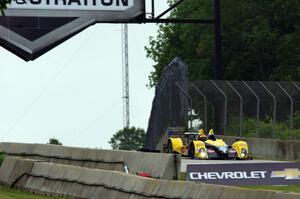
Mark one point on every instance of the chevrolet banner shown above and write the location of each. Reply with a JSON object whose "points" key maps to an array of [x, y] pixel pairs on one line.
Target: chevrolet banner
{"points": [[245, 174]]}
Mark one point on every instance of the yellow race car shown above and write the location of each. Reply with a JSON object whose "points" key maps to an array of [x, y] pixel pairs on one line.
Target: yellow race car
{"points": [[200, 146]]}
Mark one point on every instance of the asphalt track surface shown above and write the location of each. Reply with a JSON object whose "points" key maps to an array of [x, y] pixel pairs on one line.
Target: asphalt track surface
{"points": [[186, 161]]}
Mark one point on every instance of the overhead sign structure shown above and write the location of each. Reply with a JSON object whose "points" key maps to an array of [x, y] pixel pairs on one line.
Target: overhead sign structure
{"points": [[101, 10], [32, 27], [245, 174], [100, 5]]}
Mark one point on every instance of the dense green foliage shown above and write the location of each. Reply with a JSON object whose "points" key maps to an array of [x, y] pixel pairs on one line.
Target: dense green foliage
{"points": [[128, 139], [282, 130], [265, 126], [260, 40], [54, 141]]}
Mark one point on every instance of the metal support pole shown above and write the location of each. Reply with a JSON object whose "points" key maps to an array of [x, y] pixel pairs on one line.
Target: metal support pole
{"points": [[179, 21], [190, 101], [152, 9], [274, 108], [159, 19], [257, 107], [225, 107], [125, 76], [296, 86], [241, 105], [218, 70], [205, 104], [169, 9], [291, 107]]}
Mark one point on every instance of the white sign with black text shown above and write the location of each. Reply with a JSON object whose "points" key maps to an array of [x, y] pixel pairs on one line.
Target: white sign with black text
{"points": [[99, 5]]}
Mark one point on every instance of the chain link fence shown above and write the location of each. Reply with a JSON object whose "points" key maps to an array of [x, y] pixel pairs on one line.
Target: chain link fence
{"points": [[246, 108], [238, 108]]}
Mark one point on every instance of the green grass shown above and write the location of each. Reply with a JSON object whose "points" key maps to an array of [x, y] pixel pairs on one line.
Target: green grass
{"points": [[182, 176], [288, 188], [9, 193]]}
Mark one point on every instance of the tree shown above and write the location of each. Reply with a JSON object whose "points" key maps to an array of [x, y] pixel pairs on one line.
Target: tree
{"points": [[128, 139], [54, 141], [260, 40], [3, 5]]}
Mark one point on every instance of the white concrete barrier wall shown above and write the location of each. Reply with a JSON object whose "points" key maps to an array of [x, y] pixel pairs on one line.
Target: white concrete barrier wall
{"points": [[270, 148], [79, 182], [13, 168], [163, 166]]}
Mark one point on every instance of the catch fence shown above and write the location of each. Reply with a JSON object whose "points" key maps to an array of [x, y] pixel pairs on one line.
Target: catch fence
{"points": [[239, 108], [245, 108]]}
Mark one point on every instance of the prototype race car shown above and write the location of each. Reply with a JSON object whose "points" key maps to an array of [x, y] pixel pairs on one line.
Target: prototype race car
{"points": [[200, 146]]}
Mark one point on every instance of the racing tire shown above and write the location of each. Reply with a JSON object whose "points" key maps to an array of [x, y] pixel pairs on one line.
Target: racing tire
{"points": [[169, 147]]}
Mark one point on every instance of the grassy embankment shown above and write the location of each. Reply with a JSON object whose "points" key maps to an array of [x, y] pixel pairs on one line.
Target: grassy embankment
{"points": [[9, 193], [289, 188]]}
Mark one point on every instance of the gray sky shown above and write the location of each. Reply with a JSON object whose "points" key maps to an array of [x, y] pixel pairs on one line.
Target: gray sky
{"points": [[74, 92]]}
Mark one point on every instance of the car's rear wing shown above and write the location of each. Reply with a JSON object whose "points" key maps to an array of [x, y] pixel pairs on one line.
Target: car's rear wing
{"points": [[179, 133], [191, 133]]}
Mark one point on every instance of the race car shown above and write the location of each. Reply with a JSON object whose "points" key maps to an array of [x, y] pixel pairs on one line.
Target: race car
{"points": [[200, 146]]}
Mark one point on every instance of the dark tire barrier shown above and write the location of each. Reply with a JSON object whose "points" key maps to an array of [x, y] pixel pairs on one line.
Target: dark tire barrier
{"points": [[79, 182], [170, 105]]}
